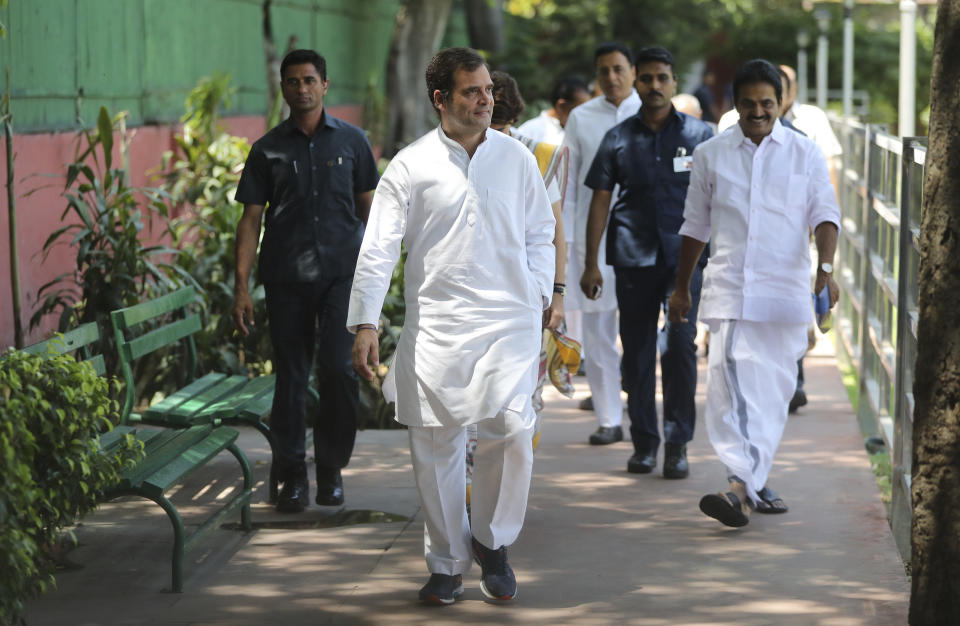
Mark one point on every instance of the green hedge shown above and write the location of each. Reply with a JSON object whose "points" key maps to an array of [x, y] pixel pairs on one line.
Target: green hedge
{"points": [[51, 410]]}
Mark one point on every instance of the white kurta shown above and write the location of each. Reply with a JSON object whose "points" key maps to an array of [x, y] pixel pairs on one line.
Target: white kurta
{"points": [[585, 128], [478, 233], [756, 206], [544, 127]]}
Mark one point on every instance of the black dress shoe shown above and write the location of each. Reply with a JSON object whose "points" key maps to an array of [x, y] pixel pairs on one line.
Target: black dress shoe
{"points": [[606, 435], [675, 461], [586, 404], [295, 496], [329, 487], [798, 400], [642, 463]]}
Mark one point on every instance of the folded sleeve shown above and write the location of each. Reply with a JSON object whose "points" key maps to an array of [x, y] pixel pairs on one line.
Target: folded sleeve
{"points": [[696, 208], [822, 200]]}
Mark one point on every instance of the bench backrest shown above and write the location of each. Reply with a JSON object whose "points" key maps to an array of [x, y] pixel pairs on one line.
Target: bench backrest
{"points": [[79, 340], [135, 341]]}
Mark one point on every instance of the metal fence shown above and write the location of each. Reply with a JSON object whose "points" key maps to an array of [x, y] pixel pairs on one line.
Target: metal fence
{"points": [[881, 191]]}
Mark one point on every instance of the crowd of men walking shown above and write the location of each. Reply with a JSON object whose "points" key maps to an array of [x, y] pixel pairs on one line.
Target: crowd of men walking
{"points": [[647, 212]]}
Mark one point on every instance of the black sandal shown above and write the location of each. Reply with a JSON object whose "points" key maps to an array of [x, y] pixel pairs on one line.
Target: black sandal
{"points": [[770, 503], [725, 508]]}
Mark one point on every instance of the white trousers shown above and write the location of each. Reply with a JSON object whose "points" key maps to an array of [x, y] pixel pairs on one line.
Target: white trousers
{"points": [[503, 465], [751, 376], [603, 368], [572, 314]]}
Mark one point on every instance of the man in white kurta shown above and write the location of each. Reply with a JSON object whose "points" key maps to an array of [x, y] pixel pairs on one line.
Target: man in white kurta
{"points": [[755, 191], [585, 128], [471, 209]]}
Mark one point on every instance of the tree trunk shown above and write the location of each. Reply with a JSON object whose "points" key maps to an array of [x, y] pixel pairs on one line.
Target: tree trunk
{"points": [[485, 25], [935, 596], [419, 28]]}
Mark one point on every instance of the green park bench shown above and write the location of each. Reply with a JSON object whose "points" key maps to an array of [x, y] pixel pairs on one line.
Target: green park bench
{"points": [[213, 397], [170, 455]]}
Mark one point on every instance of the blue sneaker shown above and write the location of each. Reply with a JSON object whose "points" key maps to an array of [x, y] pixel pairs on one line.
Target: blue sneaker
{"points": [[497, 581], [442, 589]]}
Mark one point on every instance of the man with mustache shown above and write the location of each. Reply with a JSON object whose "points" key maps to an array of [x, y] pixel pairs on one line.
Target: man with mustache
{"points": [[470, 207], [648, 156], [313, 175], [585, 128], [755, 192]]}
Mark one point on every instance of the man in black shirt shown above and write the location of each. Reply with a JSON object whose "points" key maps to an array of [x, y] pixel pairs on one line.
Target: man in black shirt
{"points": [[314, 177], [648, 156]]}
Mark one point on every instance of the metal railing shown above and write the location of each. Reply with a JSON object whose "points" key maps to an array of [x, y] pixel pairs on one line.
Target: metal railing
{"points": [[881, 191]]}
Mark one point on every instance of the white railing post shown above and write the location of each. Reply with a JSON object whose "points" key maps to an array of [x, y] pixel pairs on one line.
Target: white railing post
{"points": [[908, 68], [823, 22], [848, 57]]}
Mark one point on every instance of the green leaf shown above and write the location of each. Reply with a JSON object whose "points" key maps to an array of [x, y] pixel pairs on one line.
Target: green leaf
{"points": [[105, 128]]}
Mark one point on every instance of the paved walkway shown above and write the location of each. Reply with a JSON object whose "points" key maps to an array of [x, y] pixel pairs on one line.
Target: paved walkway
{"points": [[600, 546]]}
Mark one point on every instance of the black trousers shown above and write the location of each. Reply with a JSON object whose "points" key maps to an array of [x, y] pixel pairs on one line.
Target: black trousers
{"points": [[302, 316], [641, 294]]}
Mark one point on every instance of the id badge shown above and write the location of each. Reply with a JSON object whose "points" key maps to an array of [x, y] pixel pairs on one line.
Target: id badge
{"points": [[683, 163]]}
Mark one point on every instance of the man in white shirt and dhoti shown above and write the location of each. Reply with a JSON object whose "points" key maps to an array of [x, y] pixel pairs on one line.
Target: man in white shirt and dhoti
{"points": [[471, 209], [755, 191]]}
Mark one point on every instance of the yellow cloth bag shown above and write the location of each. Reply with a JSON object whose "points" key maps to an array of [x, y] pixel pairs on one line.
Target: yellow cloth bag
{"points": [[563, 357]]}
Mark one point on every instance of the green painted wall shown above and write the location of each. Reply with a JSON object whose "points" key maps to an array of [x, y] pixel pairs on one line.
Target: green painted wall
{"points": [[69, 57]]}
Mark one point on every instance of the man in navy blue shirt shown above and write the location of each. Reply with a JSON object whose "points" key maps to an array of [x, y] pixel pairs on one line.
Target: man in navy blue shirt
{"points": [[649, 156], [314, 177]]}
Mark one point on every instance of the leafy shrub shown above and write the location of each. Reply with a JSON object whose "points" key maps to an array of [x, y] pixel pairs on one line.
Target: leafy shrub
{"points": [[52, 408], [201, 176], [114, 268]]}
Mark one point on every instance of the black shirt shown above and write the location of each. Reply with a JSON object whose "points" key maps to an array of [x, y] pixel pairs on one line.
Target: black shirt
{"points": [[648, 210], [308, 186]]}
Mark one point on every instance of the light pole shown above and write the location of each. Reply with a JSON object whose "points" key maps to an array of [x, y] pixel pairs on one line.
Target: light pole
{"points": [[908, 68], [848, 57], [803, 40], [823, 22]]}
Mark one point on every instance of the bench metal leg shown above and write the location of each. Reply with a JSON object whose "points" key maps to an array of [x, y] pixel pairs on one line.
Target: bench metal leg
{"points": [[178, 541], [245, 522], [274, 478]]}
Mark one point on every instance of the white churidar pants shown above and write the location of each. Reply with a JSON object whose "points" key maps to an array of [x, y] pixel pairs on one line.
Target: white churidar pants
{"points": [[751, 376], [503, 465], [572, 314], [603, 368]]}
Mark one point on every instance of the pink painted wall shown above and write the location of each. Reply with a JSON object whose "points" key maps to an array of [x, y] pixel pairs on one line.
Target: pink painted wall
{"points": [[40, 162]]}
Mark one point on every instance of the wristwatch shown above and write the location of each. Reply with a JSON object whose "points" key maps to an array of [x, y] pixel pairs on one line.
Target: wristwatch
{"points": [[560, 288], [826, 268]]}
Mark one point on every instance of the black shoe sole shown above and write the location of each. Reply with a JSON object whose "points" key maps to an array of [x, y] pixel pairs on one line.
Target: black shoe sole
{"points": [[329, 501], [290, 506], [435, 600], [493, 598], [639, 469], [596, 441]]}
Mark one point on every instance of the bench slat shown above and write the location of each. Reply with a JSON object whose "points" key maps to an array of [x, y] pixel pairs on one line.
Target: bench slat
{"points": [[133, 315], [193, 409], [160, 337], [111, 439], [194, 457], [239, 403], [160, 411], [163, 448]]}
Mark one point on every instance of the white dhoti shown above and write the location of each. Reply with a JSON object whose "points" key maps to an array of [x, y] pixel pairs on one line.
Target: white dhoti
{"points": [[751, 376], [503, 465]]}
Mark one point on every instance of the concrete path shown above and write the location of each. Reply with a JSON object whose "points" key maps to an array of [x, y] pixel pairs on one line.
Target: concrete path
{"points": [[600, 546]]}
